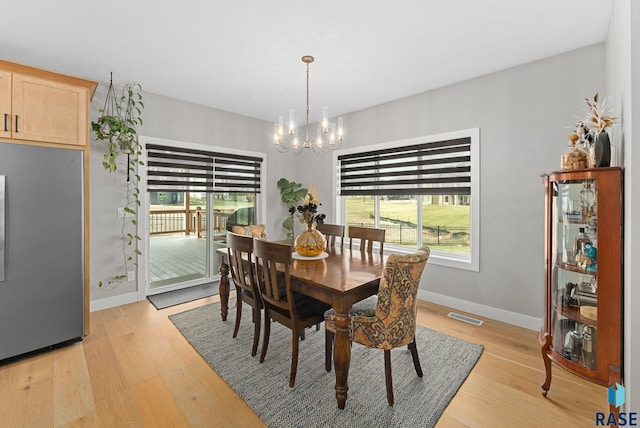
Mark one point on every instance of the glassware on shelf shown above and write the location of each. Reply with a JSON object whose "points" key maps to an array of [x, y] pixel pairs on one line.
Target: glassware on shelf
{"points": [[579, 246], [588, 198], [589, 346]]}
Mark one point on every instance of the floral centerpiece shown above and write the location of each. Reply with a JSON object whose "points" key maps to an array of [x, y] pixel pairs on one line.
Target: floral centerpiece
{"points": [[592, 132], [310, 242]]}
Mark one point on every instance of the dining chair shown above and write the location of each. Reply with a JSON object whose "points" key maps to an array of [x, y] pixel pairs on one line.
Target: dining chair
{"points": [[240, 249], [393, 322], [332, 232], [367, 236], [293, 310]]}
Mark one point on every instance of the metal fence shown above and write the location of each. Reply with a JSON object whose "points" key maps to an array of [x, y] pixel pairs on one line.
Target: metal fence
{"points": [[406, 234]]}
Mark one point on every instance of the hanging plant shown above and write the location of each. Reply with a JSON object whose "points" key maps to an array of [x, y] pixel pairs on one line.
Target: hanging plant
{"points": [[116, 127]]}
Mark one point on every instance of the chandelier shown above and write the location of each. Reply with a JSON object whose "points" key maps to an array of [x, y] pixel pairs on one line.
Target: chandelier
{"points": [[328, 136]]}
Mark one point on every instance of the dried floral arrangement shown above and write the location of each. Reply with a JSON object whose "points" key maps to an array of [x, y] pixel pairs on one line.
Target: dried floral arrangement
{"points": [[596, 121], [307, 212]]}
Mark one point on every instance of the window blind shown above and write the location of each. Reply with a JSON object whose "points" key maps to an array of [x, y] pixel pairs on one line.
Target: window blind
{"points": [[176, 169], [433, 168]]}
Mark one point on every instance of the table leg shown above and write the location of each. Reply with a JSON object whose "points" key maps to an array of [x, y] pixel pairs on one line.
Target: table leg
{"points": [[224, 290], [342, 356]]}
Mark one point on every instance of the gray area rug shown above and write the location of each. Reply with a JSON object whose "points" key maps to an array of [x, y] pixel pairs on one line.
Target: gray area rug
{"points": [[177, 297], [446, 362]]}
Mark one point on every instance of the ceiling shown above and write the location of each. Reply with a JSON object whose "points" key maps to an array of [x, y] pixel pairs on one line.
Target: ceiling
{"points": [[245, 56]]}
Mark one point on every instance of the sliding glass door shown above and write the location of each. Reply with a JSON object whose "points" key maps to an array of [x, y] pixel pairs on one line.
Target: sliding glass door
{"points": [[195, 194]]}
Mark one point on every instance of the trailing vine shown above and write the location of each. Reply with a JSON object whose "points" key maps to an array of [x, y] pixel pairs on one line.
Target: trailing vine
{"points": [[116, 126]]}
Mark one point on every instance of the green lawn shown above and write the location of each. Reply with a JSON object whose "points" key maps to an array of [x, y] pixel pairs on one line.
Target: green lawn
{"points": [[361, 209]]}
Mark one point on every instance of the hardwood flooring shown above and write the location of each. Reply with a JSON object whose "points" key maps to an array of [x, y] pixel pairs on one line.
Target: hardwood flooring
{"points": [[135, 369]]}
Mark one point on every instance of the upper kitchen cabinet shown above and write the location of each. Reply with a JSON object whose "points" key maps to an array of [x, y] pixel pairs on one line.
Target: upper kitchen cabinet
{"points": [[42, 106]]}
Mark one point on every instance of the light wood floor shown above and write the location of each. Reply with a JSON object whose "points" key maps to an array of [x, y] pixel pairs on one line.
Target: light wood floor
{"points": [[135, 369]]}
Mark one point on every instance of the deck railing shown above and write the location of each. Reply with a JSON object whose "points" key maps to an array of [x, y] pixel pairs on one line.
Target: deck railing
{"points": [[186, 221]]}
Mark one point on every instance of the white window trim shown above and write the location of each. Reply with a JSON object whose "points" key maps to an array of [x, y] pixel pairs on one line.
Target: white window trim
{"points": [[472, 262]]}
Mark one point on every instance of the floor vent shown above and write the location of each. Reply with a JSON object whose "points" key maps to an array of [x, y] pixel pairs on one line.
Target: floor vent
{"points": [[465, 318]]}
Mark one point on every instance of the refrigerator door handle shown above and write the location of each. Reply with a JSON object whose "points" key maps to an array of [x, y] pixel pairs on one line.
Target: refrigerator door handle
{"points": [[2, 234]]}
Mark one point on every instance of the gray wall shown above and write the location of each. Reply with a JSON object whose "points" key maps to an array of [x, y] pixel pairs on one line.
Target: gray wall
{"points": [[623, 82], [525, 115]]}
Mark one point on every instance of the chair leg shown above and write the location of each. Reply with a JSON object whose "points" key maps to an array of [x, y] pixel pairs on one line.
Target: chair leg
{"points": [[238, 317], [294, 358], [265, 336], [328, 349], [414, 354], [387, 376], [256, 331]]}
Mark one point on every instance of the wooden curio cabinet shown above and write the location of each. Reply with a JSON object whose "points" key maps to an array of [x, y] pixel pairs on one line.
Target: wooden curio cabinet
{"points": [[582, 330]]}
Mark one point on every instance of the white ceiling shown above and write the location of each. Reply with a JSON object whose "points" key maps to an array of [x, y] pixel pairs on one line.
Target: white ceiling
{"points": [[245, 56]]}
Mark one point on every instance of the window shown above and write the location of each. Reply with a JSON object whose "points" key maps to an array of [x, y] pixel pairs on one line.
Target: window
{"points": [[422, 191]]}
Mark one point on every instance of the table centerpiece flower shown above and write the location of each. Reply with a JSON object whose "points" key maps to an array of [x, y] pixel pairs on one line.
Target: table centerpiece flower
{"points": [[310, 242]]}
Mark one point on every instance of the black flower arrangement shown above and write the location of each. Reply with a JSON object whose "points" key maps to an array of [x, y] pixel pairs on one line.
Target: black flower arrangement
{"points": [[307, 213]]}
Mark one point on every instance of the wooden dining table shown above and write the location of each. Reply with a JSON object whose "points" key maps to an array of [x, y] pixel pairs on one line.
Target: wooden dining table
{"points": [[341, 279]]}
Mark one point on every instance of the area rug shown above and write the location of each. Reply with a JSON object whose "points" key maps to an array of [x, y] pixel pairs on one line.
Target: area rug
{"points": [[184, 295], [446, 362]]}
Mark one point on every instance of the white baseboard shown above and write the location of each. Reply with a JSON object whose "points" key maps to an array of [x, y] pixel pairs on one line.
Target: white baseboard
{"points": [[110, 302], [497, 314]]}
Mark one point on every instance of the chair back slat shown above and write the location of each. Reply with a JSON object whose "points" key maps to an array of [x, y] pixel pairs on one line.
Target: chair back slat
{"points": [[268, 256], [367, 236], [240, 249], [332, 232]]}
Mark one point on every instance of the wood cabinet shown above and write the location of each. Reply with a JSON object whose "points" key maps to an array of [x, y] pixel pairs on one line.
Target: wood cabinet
{"points": [[582, 330], [41, 106]]}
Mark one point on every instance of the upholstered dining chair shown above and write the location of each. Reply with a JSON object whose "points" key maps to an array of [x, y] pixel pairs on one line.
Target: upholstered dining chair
{"points": [[240, 249], [392, 321], [293, 310], [332, 232], [367, 236]]}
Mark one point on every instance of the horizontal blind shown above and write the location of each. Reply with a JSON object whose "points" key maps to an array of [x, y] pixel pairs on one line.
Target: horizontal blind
{"points": [[434, 168], [176, 169]]}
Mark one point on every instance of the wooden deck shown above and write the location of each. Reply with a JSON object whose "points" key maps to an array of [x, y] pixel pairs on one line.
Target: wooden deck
{"points": [[178, 258]]}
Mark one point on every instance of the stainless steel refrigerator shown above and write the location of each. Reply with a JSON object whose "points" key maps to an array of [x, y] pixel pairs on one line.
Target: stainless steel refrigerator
{"points": [[41, 247]]}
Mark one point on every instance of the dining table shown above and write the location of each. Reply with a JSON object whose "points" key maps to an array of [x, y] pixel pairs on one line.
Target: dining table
{"points": [[340, 277]]}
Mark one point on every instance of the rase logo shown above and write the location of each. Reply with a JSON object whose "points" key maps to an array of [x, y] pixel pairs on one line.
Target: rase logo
{"points": [[616, 398]]}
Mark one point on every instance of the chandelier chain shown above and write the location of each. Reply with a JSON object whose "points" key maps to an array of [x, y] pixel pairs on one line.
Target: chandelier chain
{"points": [[307, 101]]}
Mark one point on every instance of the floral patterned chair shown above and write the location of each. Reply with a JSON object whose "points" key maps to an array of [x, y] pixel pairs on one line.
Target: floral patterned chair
{"points": [[392, 323]]}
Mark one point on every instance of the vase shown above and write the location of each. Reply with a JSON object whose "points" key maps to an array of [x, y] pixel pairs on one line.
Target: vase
{"points": [[310, 242], [602, 150]]}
